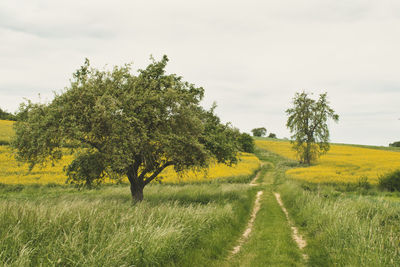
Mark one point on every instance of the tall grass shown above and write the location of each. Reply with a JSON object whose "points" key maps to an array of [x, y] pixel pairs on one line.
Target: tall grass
{"points": [[59, 226], [356, 231], [342, 228]]}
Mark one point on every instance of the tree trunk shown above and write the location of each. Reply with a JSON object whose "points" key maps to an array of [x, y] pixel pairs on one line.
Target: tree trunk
{"points": [[137, 185], [137, 192], [308, 154]]}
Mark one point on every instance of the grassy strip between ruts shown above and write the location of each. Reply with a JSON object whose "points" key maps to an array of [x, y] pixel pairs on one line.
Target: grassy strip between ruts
{"points": [[270, 242], [342, 228], [175, 225]]}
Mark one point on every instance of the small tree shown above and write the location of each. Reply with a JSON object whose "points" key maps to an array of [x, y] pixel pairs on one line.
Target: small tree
{"points": [[124, 124], [259, 131], [246, 143], [272, 135], [395, 144], [307, 122]]}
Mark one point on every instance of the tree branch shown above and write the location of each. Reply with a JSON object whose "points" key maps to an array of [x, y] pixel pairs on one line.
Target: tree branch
{"points": [[93, 144], [158, 171]]}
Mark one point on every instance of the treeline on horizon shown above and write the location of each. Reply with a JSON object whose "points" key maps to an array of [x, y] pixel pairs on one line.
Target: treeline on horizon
{"points": [[4, 115]]}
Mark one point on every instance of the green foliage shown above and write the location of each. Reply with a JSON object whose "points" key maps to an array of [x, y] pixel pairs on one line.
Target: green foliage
{"points": [[87, 168], [137, 124], [395, 144], [4, 115], [307, 121], [272, 135], [246, 143], [390, 181], [259, 132], [4, 143]]}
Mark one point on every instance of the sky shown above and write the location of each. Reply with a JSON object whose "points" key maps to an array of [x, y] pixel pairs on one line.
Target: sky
{"points": [[251, 57]]}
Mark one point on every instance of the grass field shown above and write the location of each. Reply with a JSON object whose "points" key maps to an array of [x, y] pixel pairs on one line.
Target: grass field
{"points": [[343, 163], [176, 225], [343, 228]]}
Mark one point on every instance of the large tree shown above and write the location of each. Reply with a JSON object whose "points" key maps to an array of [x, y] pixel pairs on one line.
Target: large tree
{"points": [[307, 122], [124, 124]]}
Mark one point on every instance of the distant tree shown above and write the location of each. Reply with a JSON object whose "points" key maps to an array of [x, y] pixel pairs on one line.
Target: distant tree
{"points": [[307, 122], [272, 135], [395, 144], [259, 131], [4, 115], [125, 124], [246, 143]]}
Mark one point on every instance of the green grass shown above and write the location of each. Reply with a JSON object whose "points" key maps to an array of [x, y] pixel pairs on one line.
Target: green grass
{"points": [[174, 225], [271, 243], [343, 226]]}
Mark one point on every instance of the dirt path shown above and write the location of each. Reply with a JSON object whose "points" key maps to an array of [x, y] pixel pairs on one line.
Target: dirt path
{"points": [[301, 243], [250, 224], [267, 239], [254, 181]]}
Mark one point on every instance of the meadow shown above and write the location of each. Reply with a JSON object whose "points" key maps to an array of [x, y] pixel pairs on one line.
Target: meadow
{"points": [[176, 225], [343, 225], [342, 164]]}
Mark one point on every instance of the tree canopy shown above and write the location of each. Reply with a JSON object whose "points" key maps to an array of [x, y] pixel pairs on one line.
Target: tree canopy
{"points": [[259, 131], [246, 143], [307, 121], [125, 124]]}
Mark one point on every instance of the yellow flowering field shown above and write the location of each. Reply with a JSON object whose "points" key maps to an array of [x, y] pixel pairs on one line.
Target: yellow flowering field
{"points": [[247, 165], [6, 130], [341, 164], [13, 172]]}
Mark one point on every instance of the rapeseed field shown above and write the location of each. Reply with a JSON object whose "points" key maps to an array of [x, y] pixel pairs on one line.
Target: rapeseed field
{"points": [[6, 130], [344, 164], [13, 172]]}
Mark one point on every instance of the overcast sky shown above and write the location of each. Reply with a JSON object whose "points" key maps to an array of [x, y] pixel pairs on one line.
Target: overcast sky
{"points": [[250, 56]]}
